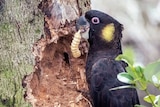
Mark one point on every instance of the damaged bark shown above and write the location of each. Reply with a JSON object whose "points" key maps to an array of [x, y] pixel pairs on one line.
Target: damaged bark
{"points": [[58, 79]]}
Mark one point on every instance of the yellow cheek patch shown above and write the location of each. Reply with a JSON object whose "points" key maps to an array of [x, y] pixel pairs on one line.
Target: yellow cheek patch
{"points": [[108, 32]]}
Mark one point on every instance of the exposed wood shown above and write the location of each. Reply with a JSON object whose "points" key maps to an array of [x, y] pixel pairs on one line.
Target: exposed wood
{"points": [[58, 79]]}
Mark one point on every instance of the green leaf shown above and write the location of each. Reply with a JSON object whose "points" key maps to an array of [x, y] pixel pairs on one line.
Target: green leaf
{"points": [[126, 78], [127, 56], [152, 69], [155, 80], [139, 72], [158, 75], [129, 52], [139, 69], [159, 103], [125, 59], [122, 87], [157, 100], [150, 98], [129, 70], [139, 105], [141, 84]]}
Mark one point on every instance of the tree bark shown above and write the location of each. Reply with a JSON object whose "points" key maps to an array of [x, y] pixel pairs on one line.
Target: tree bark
{"points": [[21, 23], [58, 79]]}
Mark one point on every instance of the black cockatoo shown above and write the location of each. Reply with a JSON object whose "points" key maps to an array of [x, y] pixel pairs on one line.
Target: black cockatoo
{"points": [[105, 35]]}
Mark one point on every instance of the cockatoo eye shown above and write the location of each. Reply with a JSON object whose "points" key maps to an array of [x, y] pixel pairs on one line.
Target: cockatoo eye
{"points": [[95, 20]]}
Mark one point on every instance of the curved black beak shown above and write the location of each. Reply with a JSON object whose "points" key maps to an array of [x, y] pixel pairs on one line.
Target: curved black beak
{"points": [[83, 25]]}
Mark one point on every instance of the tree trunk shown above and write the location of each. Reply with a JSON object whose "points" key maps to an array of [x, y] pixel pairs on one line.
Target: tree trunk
{"points": [[20, 25], [58, 79]]}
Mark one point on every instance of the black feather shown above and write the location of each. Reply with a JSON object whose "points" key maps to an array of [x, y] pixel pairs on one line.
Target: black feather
{"points": [[101, 67]]}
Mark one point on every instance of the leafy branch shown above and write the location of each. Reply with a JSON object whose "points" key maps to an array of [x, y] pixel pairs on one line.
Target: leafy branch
{"points": [[140, 77]]}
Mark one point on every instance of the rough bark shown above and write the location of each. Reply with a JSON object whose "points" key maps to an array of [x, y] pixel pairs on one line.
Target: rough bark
{"points": [[21, 23], [58, 79]]}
